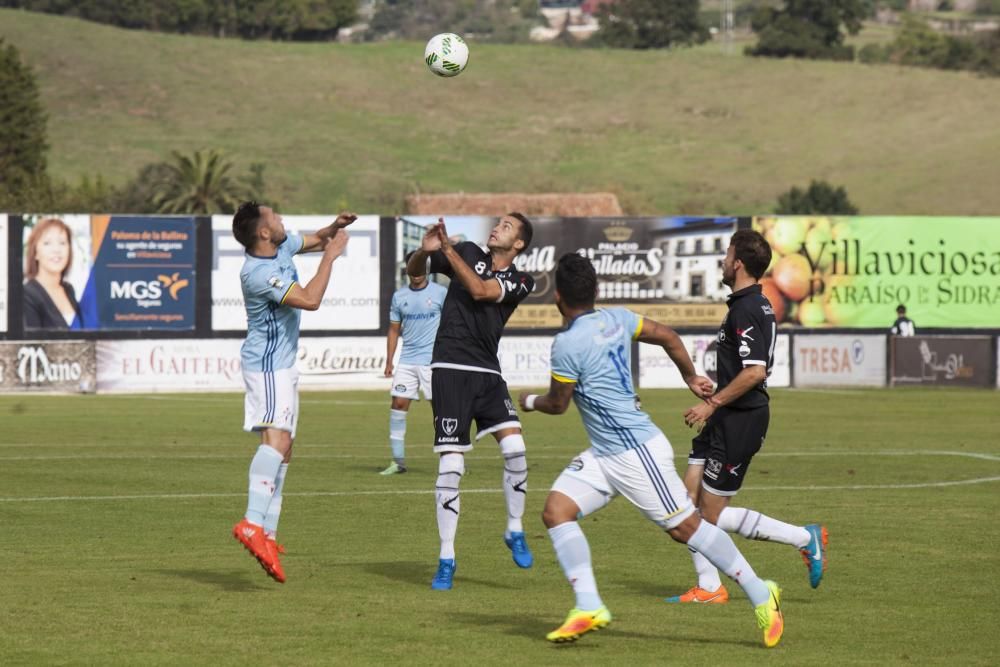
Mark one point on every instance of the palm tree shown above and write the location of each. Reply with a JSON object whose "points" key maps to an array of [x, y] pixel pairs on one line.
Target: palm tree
{"points": [[198, 183]]}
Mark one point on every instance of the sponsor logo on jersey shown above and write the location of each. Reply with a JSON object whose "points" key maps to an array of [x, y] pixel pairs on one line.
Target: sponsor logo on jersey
{"points": [[744, 350], [275, 282]]}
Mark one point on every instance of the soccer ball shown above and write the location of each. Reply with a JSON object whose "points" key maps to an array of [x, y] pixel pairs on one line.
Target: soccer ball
{"points": [[446, 54]]}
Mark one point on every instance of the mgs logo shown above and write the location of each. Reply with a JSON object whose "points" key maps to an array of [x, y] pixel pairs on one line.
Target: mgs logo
{"points": [[147, 293], [449, 425]]}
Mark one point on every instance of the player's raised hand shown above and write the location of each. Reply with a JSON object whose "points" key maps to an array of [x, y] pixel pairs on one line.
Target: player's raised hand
{"points": [[431, 241], [442, 232], [345, 219], [335, 247]]}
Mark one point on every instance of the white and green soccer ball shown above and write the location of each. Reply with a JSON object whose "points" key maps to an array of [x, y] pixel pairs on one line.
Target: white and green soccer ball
{"points": [[446, 54]]}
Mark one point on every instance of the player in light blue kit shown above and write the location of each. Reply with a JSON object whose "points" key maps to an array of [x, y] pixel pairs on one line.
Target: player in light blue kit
{"points": [[414, 315], [628, 454], [274, 300]]}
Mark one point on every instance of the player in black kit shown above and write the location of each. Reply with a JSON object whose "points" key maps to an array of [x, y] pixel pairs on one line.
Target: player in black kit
{"points": [[466, 383], [734, 422]]}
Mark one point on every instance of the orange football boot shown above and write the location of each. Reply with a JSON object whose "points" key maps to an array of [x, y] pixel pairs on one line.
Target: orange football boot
{"points": [[701, 596]]}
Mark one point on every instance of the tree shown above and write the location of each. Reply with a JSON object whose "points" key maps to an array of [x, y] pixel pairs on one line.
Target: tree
{"points": [[23, 145], [650, 24], [808, 29], [820, 198], [202, 183]]}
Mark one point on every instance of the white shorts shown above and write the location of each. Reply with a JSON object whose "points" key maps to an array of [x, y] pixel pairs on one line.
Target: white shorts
{"points": [[408, 379], [645, 475], [272, 400]]}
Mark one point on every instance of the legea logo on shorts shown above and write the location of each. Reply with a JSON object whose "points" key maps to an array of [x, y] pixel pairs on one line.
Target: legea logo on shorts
{"points": [[148, 293], [449, 425]]}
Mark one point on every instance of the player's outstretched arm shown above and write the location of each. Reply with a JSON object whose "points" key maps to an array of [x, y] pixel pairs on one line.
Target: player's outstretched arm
{"points": [[310, 296], [481, 290], [553, 403], [318, 241], [654, 333], [747, 379]]}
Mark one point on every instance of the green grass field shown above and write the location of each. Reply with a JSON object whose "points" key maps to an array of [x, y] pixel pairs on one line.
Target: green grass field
{"points": [[689, 131], [117, 511]]}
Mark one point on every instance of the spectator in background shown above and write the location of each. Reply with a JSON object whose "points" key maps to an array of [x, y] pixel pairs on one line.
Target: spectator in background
{"points": [[903, 326], [49, 301]]}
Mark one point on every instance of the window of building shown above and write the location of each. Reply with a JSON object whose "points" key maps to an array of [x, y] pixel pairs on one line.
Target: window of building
{"points": [[697, 285]]}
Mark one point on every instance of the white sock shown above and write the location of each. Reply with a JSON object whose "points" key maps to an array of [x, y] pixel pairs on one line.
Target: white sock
{"points": [[397, 435], [756, 526], [515, 480], [274, 508], [573, 553], [451, 467], [263, 470], [718, 547], [708, 574]]}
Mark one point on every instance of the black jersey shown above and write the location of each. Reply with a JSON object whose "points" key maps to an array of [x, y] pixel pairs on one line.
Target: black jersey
{"points": [[746, 338], [469, 334]]}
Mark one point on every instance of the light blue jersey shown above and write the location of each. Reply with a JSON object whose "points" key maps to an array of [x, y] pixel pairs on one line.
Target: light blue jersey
{"points": [[419, 313], [272, 329], [595, 353]]}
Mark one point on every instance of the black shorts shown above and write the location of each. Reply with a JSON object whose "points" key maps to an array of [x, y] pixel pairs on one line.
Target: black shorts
{"points": [[458, 397], [726, 445]]}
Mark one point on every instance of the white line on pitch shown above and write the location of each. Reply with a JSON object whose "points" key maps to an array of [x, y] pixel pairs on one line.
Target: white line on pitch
{"points": [[379, 454], [425, 492]]}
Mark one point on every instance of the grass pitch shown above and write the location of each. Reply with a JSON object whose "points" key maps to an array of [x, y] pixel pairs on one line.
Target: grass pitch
{"points": [[117, 511], [686, 131]]}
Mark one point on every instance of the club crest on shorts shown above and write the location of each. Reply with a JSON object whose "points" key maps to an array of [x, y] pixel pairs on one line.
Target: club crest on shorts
{"points": [[449, 425], [575, 465], [712, 468], [510, 407], [400, 387]]}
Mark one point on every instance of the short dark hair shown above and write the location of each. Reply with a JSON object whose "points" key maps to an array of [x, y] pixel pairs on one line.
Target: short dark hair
{"points": [[245, 223], [526, 231], [576, 280], [901, 309], [753, 250]]}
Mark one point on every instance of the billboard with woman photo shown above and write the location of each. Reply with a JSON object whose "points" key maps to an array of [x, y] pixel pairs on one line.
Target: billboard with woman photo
{"points": [[108, 272]]}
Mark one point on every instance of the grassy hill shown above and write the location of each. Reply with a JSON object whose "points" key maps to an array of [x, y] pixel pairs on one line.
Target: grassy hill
{"points": [[689, 131]]}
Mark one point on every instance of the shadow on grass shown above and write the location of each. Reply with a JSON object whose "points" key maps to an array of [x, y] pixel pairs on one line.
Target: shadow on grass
{"points": [[238, 582], [420, 573], [535, 627]]}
